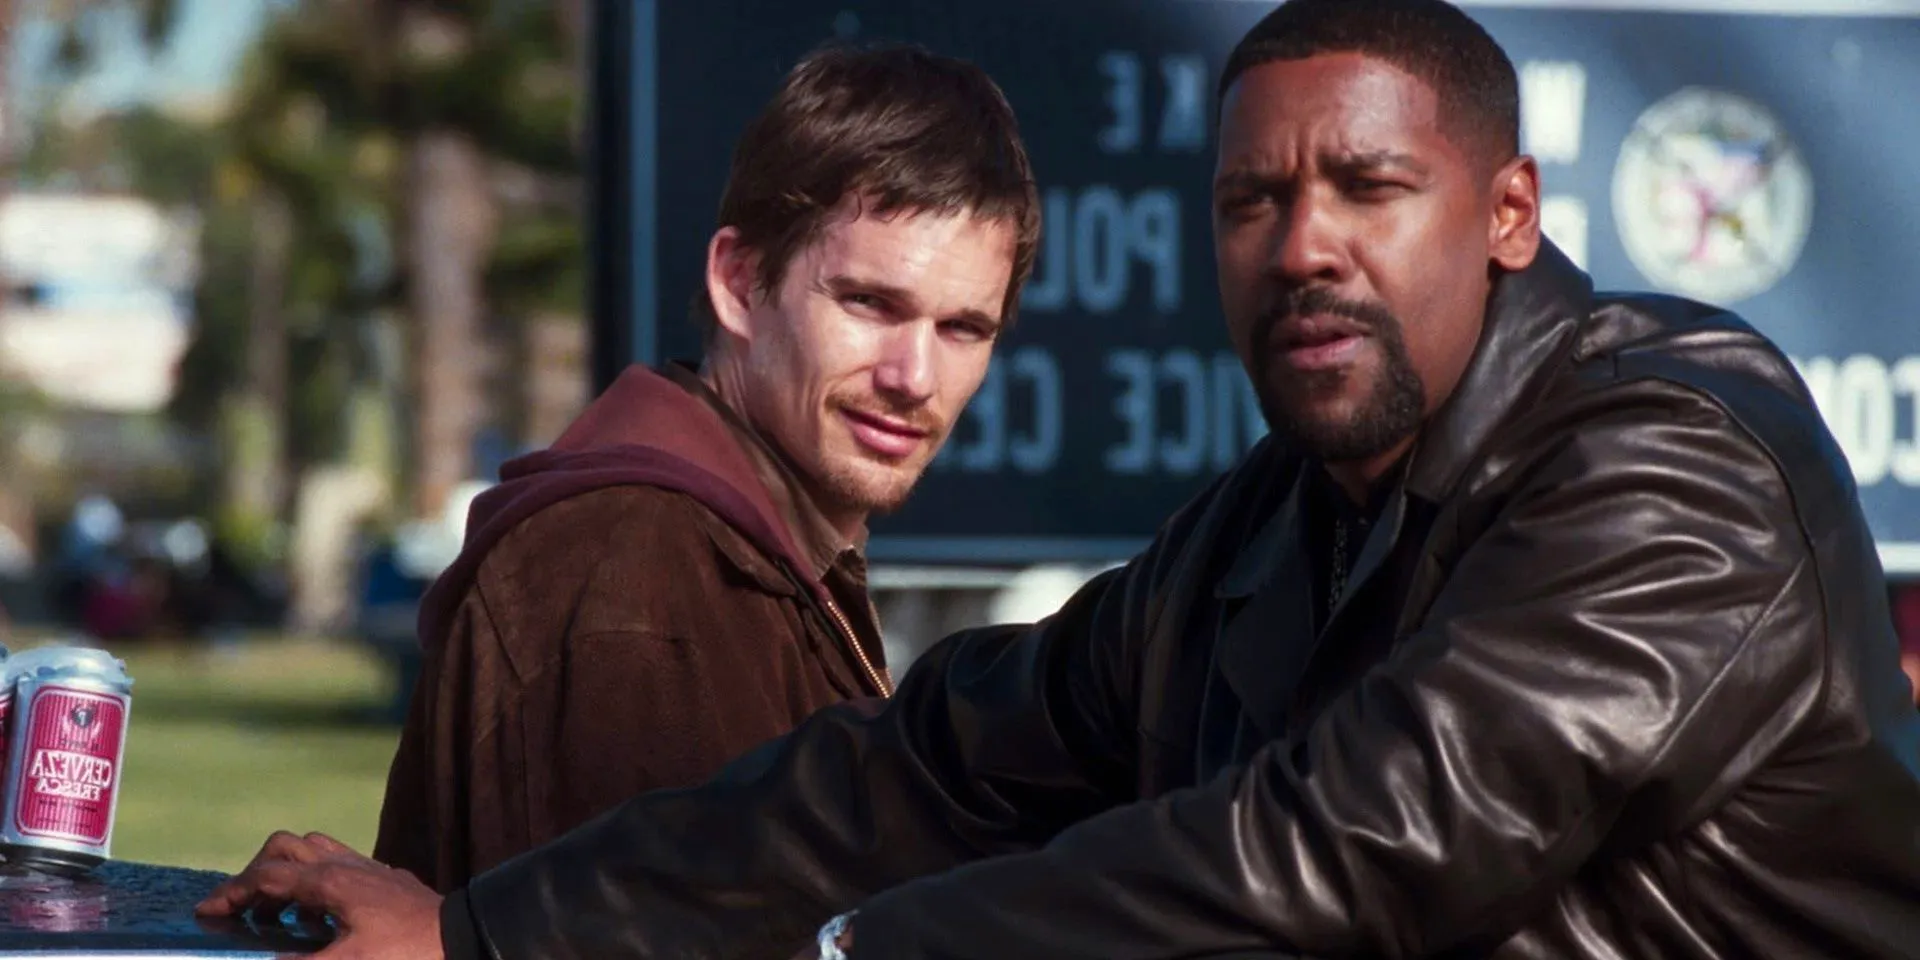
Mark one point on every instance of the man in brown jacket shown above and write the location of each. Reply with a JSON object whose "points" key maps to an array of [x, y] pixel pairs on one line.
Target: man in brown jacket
{"points": [[680, 576]]}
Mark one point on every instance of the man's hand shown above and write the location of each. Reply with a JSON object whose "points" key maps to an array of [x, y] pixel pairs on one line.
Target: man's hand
{"points": [[381, 912]]}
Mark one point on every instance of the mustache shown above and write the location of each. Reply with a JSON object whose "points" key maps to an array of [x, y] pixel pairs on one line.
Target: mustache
{"points": [[915, 416], [1320, 301]]}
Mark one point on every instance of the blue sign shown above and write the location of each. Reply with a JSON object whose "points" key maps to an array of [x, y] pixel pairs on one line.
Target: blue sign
{"points": [[1757, 160]]}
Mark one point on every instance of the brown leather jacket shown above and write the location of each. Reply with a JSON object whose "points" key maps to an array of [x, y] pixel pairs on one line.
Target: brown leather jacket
{"points": [[636, 606], [1614, 676]]}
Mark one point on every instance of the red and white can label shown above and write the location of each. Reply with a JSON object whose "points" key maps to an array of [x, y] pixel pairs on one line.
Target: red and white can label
{"points": [[6, 731], [71, 765]]}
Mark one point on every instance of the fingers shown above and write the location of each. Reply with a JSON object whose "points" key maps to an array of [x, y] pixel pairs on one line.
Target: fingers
{"points": [[262, 882], [332, 851], [282, 846], [286, 845], [246, 891], [235, 894], [377, 912], [329, 847]]}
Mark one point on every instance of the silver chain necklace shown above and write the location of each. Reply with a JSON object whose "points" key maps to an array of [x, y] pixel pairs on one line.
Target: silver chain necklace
{"points": [[1337, 583]]}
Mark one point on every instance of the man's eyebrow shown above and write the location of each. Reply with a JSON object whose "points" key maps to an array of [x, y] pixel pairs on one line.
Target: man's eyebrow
{"points": [[1253, 180], [841, 285], [1243, 180], [902, 298], [1376, 160]]}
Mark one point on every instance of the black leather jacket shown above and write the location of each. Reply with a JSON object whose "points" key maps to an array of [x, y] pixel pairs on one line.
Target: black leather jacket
{"points": [[1614, 677]]}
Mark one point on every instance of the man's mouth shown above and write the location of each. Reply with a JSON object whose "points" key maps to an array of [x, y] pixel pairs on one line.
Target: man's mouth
{"points": [[889, 437], [1318, 341]]}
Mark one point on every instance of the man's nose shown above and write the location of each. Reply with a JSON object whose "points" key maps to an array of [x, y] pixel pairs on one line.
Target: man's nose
{"points": [[1311, 246], [906, 368]]}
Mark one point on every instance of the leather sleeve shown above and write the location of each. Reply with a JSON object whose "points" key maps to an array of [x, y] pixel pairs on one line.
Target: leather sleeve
{"points": [[995, 740], [459, 936], [864, 795], [1639, 618]]}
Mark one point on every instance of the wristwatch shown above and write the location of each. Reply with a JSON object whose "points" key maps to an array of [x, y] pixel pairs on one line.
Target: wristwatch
{"points": [[833, 933]]}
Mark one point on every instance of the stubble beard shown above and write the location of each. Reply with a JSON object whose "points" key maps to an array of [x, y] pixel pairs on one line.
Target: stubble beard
{"points": [[870, 486], [859, 480], [1392, 410]]}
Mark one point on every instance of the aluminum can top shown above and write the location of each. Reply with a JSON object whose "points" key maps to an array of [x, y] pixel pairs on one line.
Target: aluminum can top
{"points": [[60, 662]]}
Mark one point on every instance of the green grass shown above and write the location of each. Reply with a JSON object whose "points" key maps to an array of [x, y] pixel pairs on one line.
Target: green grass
{"points": [[227, 745]]}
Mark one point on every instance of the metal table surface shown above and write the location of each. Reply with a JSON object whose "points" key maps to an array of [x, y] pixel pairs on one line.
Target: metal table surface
{"points": [[130, 910]]}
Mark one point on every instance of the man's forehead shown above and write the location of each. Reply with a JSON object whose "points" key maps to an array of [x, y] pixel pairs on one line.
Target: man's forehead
{"points": [[1353, 96], [907, 241]]}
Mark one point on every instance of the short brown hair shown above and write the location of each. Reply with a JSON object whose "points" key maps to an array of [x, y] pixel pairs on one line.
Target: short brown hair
{"points": [[902, 128]]}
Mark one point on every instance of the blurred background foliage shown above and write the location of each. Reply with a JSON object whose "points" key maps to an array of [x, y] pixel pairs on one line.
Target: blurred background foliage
{"points": [[361, 289]]}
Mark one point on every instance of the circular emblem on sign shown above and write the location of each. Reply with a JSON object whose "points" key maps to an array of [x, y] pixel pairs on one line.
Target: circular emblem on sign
{"points": [[1712, 199], [81, 716]]}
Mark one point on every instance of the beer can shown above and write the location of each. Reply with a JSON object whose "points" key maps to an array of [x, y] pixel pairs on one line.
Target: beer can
{"points": [[69, 736], [6, 707]]}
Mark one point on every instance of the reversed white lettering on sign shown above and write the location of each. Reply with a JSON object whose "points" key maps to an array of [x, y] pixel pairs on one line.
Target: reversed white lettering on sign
{"points": [[1553, 101], [1094, 240], [1863, 399]]}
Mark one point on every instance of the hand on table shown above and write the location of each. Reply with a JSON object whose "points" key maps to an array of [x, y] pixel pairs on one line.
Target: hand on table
{"points": [[381, 913]]}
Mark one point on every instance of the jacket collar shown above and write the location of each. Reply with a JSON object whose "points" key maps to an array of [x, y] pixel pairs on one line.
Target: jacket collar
{"points": [[1533, 318], [1272, 547], [819, 543], [1532, 321]]}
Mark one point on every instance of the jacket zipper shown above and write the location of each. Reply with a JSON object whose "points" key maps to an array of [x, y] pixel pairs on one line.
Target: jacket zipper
{"points": [[859, 651]]}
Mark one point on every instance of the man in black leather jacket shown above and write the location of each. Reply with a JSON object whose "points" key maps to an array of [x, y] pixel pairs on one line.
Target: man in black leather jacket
{"points": [[1546, 624]]}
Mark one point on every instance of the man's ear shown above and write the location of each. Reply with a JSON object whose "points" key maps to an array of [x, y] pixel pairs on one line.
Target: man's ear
{"points": [[732, 275], [1514, 229]]}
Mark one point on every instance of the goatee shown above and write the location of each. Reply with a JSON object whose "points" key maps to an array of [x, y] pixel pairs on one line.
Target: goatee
{"points": [[1392, 410]]}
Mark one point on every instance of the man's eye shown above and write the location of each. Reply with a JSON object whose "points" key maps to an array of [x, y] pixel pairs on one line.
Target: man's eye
{"points": [[1248, 209], [863, 301], [1375, 188], [966, 332]]}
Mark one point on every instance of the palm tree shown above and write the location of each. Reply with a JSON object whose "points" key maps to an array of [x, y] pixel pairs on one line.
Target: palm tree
{"points": [[428, 117], [157, 19]]}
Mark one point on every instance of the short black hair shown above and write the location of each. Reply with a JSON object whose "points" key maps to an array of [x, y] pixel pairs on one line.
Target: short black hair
{"points": [[1429, 39]]}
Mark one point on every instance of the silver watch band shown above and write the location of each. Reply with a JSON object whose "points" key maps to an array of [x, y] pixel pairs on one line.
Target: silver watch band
{"points": [[830, 937]]}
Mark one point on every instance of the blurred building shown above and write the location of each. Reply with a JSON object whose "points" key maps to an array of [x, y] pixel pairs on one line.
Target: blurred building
{"points": [[96, 292]]}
